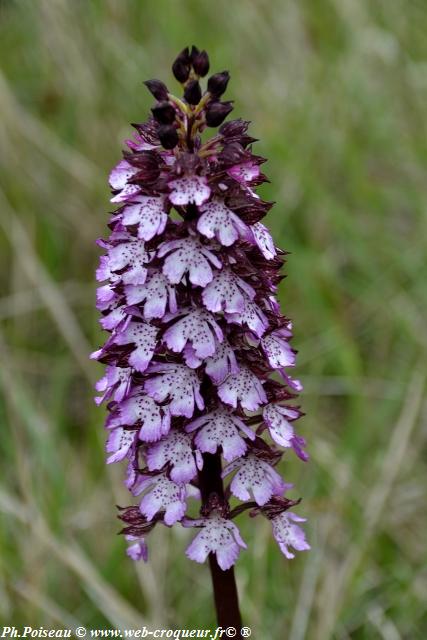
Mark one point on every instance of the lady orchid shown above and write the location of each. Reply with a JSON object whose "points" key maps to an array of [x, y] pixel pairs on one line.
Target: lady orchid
{"points": [[198, 353]]}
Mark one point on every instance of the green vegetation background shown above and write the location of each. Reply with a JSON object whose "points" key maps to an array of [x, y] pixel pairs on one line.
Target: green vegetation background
{"points": [[337, 93]]}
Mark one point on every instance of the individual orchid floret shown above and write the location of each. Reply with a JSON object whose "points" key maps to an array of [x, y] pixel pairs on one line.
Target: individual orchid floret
{"points": [[245, 172], [161, 495], [188, 256], [254, 478], [154, 297], [278, 350], [114, 384], [243, 388], [252, 316], [218, 221], [288, 534], [137, 549], [221, 363], [263, 240], [141, 409], [177, 385], [226, 292], [219, 536], [119, 443], [199, 328], [176, 450], [148, 214], [221, 428], [130, 259], [191, 189], [144, 338], [119, 182]]}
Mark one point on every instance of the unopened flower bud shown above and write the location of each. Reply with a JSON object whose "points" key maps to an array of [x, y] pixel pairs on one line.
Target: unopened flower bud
{"points": [[217, 83], [216, 112], [200, 61], [164, 112], [157, 88], [193, 92], [168, 136], [181, 66], [232, 153]]}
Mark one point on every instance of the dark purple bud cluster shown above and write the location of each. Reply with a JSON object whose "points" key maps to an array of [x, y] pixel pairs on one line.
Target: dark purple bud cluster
{"points": [[198, 354]]}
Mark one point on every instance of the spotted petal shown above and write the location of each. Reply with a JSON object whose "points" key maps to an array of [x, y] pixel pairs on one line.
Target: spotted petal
{"points": [[218, 221], [155, 296], [115, 383], [119, 177], [131, 257], [288, 534], [119, 442], [142, 409], [250, 315], [255, 478], [221, 363], [148, 213], [219, 536], [244, 388], [189, 190], [199, 328], [190, 256], [263, 240], [220, 428], [245, 172], [226, 292], [164, 495], [278, 350], [178, 385], [177, 451], [143, 336]]}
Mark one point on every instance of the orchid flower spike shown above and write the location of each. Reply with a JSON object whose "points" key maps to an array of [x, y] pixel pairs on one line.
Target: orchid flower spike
{"points": [[198, 355]]}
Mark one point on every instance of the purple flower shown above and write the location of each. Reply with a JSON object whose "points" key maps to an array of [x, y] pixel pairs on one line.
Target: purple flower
{"points": [[148, 213], [188, 190], [153, 297], [138, 549], [252, 316], [119, 181], [227, 292], [115, 383], [245, 172], [198, 352], [176, 384], [256, 478], [217, 221], [221, 363], [129, 258], [243, 387], [288, 534], [142, 410], [219, 536], [119, 442], [188, 256], [263, 240], [278, 350], [175, 449], [143, 337], [199, 328], [221, 428], [161, 495]]}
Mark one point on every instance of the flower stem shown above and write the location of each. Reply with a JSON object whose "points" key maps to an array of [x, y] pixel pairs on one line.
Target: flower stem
{"points": [[224, 583]]}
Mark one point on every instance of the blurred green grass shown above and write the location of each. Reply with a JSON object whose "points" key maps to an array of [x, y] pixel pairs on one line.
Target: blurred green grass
{"points": [[336, 90]]}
